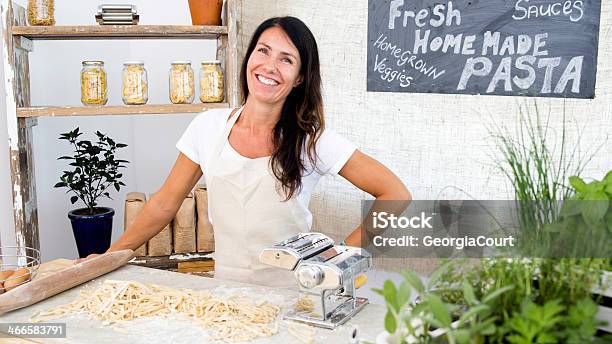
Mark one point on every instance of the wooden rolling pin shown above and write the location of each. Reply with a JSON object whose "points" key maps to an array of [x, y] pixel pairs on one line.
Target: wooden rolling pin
{"points": [[39, 289]]}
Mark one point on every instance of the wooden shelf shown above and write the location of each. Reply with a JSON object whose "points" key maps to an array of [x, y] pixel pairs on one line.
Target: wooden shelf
{"points": [[158, 109], [119, 32]]}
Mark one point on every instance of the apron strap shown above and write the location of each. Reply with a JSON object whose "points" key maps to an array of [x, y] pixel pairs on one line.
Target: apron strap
{"points": [[231, 120], [232, 113]]}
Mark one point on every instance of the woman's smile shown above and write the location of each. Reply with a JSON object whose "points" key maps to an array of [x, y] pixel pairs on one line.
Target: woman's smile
{"points": [[266, 80]]}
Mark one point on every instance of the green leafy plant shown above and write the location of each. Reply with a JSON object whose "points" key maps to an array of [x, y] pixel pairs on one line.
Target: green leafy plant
{"points": [[554, 323], [587, 213], [568, 282], [581, 324], [431, 320], [95, 168], [535, 323], [538, 171]]}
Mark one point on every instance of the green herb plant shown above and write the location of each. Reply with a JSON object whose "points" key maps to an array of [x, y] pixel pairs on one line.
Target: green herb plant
{"points": [[538, 171], [95, 169], [430, 319], [553, 323], [535, 324], [588, 214]]}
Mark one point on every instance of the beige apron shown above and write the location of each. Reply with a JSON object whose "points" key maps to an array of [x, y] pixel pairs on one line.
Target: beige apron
{"points": [[248, 215]]}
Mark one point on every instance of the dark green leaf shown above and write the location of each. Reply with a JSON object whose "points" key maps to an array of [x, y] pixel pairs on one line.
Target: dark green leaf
{"points": [[74, 199], [403, 295], [597, 207], [571, 208], [463, 336], [486, 327], [439, 310], [390, 294], [419, 308], [60, 185], [474, 311], [495, 294], [468, 293], [414, 280]]}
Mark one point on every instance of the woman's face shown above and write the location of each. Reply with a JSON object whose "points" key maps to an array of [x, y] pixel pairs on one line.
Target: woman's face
{"points": [[273, 69]]}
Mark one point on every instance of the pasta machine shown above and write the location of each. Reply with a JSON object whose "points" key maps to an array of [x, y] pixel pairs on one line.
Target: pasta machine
{"points": [[327, 275]]}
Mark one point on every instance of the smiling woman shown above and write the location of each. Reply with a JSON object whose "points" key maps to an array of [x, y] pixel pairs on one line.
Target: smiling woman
{"points": [[262, 161], [283, 70]]}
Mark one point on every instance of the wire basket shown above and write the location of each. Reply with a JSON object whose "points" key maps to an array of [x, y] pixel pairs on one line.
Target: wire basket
{"points": [[14, 258]]}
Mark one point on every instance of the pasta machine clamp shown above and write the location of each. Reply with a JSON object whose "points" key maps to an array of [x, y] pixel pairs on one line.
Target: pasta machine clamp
{"points": [[326, 275]]}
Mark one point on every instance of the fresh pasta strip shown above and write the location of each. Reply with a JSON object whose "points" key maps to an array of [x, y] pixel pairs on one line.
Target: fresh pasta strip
{"points": [[304, 304], [304, 333], [234, 319]]}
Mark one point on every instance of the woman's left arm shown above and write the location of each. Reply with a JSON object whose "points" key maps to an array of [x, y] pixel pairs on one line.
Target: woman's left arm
{"points": [[371, 176]]}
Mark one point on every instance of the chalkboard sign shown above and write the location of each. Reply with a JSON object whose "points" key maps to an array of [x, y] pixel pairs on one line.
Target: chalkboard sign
{"points": [[543, 48]]}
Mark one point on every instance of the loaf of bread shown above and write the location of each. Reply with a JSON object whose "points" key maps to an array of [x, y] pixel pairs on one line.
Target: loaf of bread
{"points": [[184, 226], [204, 229], [161, 244], [134, 202]]}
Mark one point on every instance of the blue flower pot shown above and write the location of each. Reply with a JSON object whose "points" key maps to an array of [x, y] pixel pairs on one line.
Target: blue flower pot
{"points": [[92, 233]]}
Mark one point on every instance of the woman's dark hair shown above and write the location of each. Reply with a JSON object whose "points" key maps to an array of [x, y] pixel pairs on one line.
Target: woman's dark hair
{"points": [[301, 122]]}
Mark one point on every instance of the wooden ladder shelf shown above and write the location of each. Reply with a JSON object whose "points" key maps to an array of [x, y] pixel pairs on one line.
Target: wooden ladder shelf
{"points": [[20, 115]]}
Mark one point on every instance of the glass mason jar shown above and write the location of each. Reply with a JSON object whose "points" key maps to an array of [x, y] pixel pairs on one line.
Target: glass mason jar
{"points": [[211, 82], [134, 83], [182, 87], [40, 12], [93, 83]]}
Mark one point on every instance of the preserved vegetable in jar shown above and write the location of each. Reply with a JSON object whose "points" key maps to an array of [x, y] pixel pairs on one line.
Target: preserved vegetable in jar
{"points": [[135, 86], [211, 82], [40, 12], [182, 86], [93, 83]]}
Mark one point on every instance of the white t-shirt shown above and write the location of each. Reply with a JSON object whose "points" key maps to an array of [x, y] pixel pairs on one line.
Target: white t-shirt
{"points": [[199, 140]]}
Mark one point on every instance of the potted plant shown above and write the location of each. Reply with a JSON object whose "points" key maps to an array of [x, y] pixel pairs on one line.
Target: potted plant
{"points": [[431, 319], [546, 299], [94, 170], [498, 301]]}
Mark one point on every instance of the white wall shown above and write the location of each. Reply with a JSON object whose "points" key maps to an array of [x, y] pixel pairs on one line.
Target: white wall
{"points": [[55, 67], [430, 140]]}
